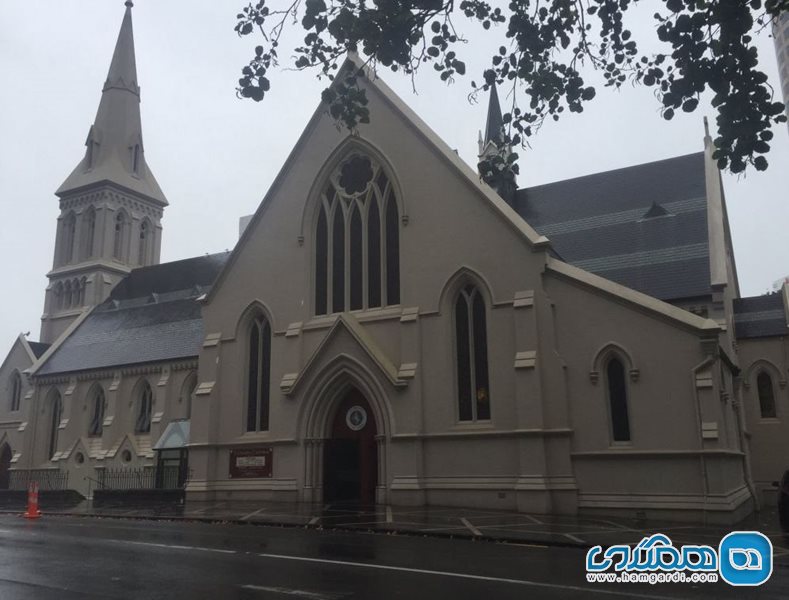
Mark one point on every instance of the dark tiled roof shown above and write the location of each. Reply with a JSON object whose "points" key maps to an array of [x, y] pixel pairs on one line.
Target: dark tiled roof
{"points": [[152, 315], [38, 348], [760, 316], [643, 226]]}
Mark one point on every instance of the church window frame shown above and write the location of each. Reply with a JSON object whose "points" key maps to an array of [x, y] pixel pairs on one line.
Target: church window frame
{"points": [[145, 237], [121, 230], [15, 384], [765, 396], [69, 237], [55, 416], [98, 409], [471, 357], [142, 423], [89, 232], [357, 238], [258, 374], [617, 393]]}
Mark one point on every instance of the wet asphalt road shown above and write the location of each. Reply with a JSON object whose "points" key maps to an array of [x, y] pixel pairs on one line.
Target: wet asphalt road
{"points": [[66, 558]]}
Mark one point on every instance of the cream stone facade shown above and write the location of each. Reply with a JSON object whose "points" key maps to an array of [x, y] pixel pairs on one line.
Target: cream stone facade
{"points": [[391, 330]]}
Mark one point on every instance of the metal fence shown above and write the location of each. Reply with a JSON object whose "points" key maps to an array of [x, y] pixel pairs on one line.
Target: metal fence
{"points": [[139, 478], [47, 479]]}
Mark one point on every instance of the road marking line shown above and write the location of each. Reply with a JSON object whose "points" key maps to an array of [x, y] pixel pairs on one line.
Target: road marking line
{"points": [[314, 520], [574, 538], [291, 592], [202, 510], [470, 527], [252, 514], [177, 547], [534, 519], [388, 514], [525, 582]]}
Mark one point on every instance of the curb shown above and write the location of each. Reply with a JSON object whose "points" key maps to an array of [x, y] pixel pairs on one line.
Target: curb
{"points": [[318, 527]]}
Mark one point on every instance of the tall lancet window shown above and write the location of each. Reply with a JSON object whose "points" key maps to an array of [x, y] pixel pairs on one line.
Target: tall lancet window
{"points": [[55, 414], [144, 408], [98, 404], [119, 245], [471, 346], [357, 240], [764, 388], [617, 399], [144, 249], [258, 375], [16, 391], [69, 237], [88, 232], [136, 159]]}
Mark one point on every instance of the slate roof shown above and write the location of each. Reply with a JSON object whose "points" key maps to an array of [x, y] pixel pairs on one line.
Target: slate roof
{"points": [[760, 316], [38, 348], [151, 315], [644, 226]]}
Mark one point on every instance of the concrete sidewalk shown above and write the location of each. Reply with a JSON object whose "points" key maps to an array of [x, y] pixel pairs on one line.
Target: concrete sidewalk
{"points": [[502, 526]]}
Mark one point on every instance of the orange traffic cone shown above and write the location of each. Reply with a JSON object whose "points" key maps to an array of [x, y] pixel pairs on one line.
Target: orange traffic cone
{"points": [[32, 502]]}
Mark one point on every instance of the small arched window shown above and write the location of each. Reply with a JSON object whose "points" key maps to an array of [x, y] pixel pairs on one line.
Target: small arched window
{"points": [[258, 375], [145, 242], [55, 415], [67, 294], [144, 407], [119, 245], [60, 297], [69, 237], [98, 404], [89, 232], [471, 346], [357, 246], [16, 391], [136, 152], [764, 387], [617, 400]]}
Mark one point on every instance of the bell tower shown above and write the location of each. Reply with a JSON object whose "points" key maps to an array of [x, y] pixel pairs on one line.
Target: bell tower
{"points": [[110, 206]]}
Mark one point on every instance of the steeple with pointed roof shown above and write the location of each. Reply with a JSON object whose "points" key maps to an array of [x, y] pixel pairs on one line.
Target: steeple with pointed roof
{"points": [[114, 149], [110, 205], [492, 152]]}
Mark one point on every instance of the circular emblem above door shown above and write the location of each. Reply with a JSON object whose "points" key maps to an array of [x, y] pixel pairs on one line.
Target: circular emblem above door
{"points": [[356, 418]]}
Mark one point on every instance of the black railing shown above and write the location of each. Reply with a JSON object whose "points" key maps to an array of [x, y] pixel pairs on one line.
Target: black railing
{"points": [[139, 478], [47, 479]]}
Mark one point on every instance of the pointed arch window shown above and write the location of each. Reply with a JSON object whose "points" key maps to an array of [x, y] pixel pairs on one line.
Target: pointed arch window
{"points": [[119, 245], [617, 400], [98, 405], [144, 407], [69, 237], [89, 232], [55, 415], [471, 353], [258, 375], [145, 242], [357, 262], [16, 391], [764, 388], [188, 392]]}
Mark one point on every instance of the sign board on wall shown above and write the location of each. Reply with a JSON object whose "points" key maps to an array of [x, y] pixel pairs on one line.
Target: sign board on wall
{"points": [[250, 463]]}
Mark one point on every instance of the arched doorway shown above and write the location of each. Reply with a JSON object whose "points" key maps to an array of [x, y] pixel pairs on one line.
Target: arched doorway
{"points": [[350, 456], [5, 465]]}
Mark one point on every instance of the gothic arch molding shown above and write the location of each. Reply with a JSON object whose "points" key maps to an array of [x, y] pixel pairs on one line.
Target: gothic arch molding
{"points": [[350, 145], [458, 280], [326, 390], [251, 311], [763, 364], [604, 353]]}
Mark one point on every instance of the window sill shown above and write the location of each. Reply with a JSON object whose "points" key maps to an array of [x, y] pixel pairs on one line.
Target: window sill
{"points": [[620, 446], [473, 426], [393, 311], [769, 421]]}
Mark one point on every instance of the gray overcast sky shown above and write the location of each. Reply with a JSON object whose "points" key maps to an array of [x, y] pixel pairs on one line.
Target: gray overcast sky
{"points": [[215, 156]]}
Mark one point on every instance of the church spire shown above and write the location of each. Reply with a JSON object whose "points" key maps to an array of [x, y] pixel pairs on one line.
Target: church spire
{"points": [[114, 149], [495, 121]]}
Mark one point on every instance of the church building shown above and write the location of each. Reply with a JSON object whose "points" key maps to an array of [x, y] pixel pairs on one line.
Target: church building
{"points": [[391, 330]]}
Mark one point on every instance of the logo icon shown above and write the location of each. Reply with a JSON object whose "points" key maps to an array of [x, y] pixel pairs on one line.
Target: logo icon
{"points": [[746, 558], [356, 418]]}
